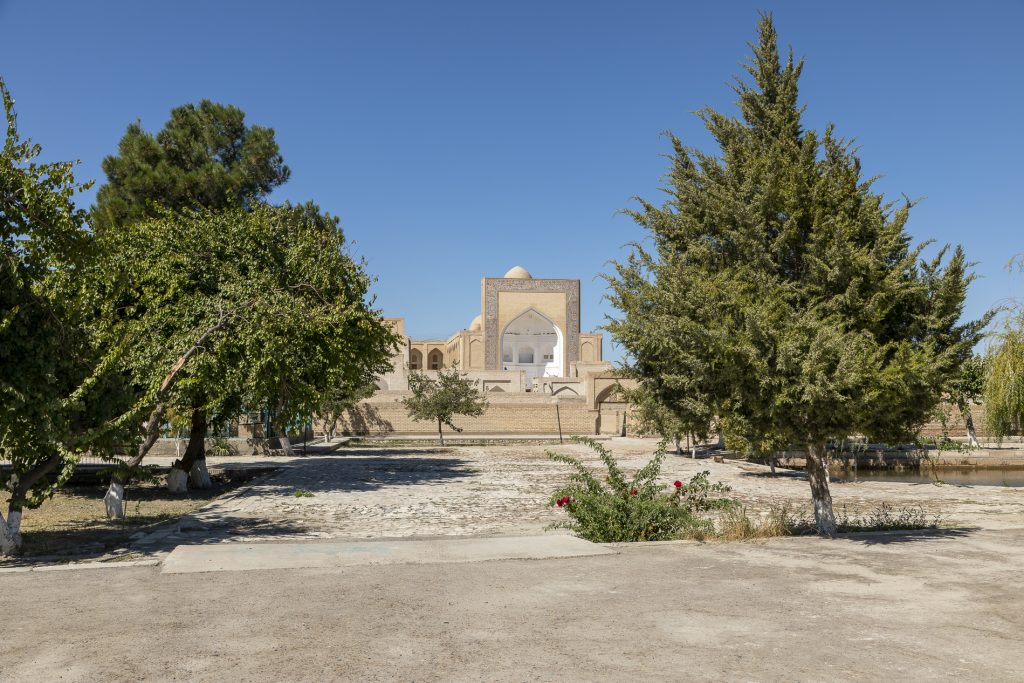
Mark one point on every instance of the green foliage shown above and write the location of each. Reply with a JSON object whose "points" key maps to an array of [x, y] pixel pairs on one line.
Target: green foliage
{"points": [[628, 510], [654, 414], [1004, 381], [290, 308], [440, 400], [60, 395], [782, 291], [205, 156]]}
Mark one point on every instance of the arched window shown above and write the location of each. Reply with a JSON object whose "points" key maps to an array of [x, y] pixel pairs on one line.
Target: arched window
{"points": [[415, 359], [525, 354]]}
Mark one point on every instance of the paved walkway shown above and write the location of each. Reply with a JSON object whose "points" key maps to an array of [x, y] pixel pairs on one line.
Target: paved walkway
{"points": [[400, 492], [917, 607]]}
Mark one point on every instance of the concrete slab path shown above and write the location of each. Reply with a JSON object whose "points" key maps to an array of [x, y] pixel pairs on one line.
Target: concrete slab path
{"points": [[238, 557]]}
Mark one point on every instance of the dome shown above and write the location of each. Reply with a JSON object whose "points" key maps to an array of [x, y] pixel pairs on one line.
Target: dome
{"points": [[518, 273], [476, 325]]}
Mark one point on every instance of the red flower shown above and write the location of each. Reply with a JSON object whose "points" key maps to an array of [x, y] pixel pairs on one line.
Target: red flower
{"points": [[678, 484], [633, 492], [565, 500]]}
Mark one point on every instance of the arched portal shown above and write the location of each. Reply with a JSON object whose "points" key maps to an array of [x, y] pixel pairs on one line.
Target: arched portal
{"points": [[532, 343], [435, 359], [415, 359]]}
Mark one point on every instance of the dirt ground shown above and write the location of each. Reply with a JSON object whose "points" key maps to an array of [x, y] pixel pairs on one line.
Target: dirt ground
{"points": [[74, 521], [941, 605], [905, 607]]}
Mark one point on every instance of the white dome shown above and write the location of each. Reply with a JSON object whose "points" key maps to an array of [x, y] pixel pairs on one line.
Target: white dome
{"points": [[518, 273], [476, 325]]}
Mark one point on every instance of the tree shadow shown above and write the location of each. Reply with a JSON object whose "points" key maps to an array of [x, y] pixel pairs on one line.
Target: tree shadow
{"points": [[363, 419], [906, 535], [368, 471]]}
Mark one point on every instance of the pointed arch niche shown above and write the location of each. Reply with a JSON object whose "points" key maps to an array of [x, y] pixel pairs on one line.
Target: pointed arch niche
{"points": [[534, 344]]}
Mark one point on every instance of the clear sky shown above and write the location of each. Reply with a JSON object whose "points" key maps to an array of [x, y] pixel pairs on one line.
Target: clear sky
{"points": [[457, 139]]}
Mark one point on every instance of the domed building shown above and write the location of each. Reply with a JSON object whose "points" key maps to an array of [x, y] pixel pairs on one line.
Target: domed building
{"points": [[541, 373], [526, 325]]}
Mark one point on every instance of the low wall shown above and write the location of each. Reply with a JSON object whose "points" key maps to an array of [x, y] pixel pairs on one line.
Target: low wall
{"points": [[385, 414], [918, 458]]}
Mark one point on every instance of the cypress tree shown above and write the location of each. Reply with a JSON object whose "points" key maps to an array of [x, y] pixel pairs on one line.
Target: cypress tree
{"points": [[782, 289]]}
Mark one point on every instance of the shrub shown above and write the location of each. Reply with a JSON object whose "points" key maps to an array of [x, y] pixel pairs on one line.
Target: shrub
{"points": [[626, 510]]}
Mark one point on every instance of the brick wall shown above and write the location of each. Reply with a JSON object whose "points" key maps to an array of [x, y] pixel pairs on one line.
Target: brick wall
{"points": [[517, 414]]}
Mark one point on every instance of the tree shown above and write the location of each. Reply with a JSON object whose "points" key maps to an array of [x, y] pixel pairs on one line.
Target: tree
{"points": [[205, 156], [965, 389], [785, 287], [60, 395], [1004, 382], [685, 417], [271, 296], [443, 398]]}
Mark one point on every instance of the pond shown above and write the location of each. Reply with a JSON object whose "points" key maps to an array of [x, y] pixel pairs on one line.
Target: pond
{"points": [[954, 476]]}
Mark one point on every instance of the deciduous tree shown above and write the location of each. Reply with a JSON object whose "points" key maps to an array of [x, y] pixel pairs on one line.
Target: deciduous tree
{"points": [[60, 394], [279, 308], [441, 399]]}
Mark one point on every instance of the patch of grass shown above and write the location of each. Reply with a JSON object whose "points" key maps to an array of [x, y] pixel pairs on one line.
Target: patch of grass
{"points": [[303, 493], [74, 522]]}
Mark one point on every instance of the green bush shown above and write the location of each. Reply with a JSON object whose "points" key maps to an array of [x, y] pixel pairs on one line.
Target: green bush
{"points": [[626, 510]]}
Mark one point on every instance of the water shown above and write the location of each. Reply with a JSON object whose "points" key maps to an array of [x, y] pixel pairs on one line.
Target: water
{"points": [[958, 477]]}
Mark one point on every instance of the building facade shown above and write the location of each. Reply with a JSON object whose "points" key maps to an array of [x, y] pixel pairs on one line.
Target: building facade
{"points": [[541, 373]]}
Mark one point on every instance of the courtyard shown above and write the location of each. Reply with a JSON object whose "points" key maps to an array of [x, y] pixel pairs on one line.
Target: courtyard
{"points": [[914, 605]]}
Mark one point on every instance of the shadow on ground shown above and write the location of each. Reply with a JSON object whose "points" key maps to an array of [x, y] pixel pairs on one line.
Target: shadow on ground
{"points": [[363, 472], [907, 536]]}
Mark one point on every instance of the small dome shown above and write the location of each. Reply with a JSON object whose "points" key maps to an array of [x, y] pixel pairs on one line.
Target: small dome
{"points": [[476, 325], [518, 273]]}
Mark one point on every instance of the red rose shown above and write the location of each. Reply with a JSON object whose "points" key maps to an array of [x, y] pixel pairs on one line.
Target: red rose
{"points": [[633, 492], [678, 484]]}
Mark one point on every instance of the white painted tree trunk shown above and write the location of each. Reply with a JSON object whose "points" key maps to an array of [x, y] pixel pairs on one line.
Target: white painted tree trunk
{"points": [[10, 533], [200, 476], [286, 445], [817, 476], [114, 500], [177, 481]]}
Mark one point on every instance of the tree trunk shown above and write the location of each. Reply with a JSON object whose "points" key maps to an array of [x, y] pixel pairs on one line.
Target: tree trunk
{"points": [[692, 444], [440, 434], [286, 444], [10, 533], [10, 529], [817, 475], [679, 445], [177, 479], [772, 459], [969, 423]]}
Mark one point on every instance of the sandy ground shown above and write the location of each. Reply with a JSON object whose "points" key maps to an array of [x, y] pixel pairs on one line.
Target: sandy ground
{"points": [[920, 606], [881, 608]]}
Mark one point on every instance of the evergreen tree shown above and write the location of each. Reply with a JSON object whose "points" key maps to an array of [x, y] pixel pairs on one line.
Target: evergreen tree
{"points": [[204, 157], [786, 291], [443, 398]]}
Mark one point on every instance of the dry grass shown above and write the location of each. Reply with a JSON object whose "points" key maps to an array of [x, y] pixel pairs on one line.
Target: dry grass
{"points": [[74, 521], [738, 524]]}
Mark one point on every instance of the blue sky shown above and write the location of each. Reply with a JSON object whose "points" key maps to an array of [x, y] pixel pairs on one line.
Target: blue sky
{"points": [[457, 139]]}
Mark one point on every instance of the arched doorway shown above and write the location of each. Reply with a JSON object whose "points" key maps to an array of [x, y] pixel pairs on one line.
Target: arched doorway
{"points": [[415, 359], [435, 359], [532, 343]]}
